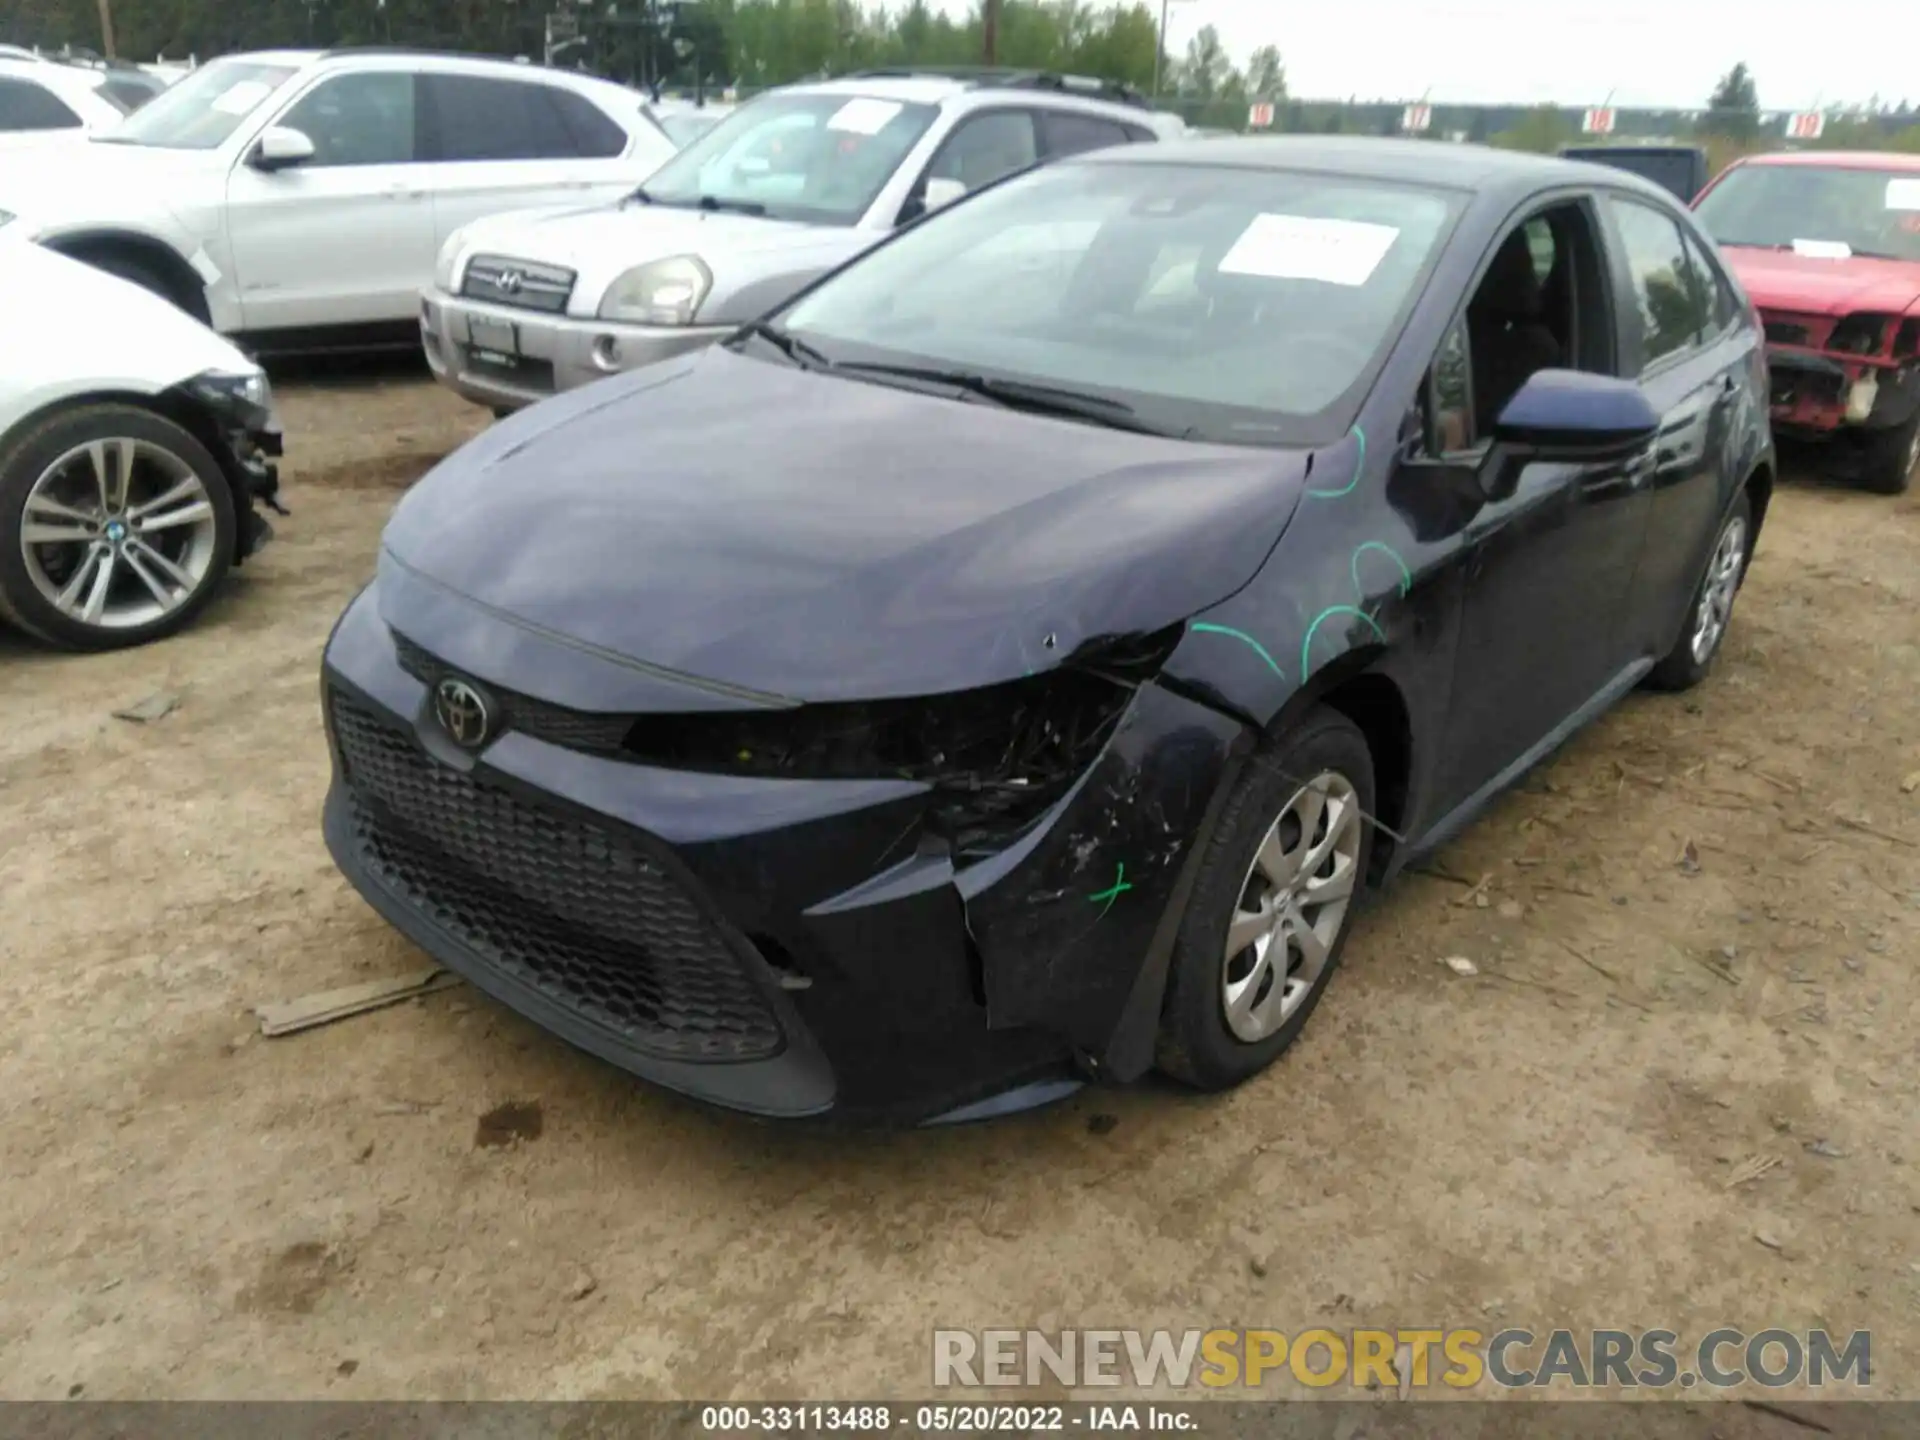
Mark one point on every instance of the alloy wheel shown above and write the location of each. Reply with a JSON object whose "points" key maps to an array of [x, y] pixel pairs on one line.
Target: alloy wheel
{"points": [[1717, 592], [118, 533], [1293, 901]]}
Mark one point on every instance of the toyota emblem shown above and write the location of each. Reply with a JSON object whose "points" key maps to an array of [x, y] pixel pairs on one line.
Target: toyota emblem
{"points": [[462, 712], [510, 282]]}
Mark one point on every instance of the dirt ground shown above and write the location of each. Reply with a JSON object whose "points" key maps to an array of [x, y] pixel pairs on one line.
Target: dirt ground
{"points": [[1695, 941]]}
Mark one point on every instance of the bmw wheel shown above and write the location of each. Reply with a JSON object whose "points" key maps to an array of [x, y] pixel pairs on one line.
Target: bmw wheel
{"points": [[116, 525], [1271, 907]]}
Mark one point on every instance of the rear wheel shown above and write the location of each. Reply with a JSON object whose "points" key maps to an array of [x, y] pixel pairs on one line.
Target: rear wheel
{"points": [[1692, 656], [116, 525], [1271, 907], [1892, 457]]}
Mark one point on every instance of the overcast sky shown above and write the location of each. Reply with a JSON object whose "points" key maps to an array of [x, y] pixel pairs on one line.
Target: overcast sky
{"points": [[1648, 52]]}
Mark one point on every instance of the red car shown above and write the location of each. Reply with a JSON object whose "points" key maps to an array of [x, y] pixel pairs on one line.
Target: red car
{"points": [[1827, 246]]}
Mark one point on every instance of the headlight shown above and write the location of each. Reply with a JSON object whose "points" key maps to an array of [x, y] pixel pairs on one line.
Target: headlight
{"points": [[243, 398], [446, 269], [661, 292]]}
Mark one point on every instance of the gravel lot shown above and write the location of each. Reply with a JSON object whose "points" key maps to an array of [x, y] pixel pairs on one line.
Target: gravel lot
{"points": [[1696, 950]]}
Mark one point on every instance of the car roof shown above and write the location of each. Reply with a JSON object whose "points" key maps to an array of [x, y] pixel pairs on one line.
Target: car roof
{"points": [[1840, 159], [55, 76], [909, 89], [1414, 162], [299, 59]]}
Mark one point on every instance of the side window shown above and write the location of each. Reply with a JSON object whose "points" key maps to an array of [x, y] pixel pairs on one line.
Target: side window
{"points": [[987, 146], [1723, 310], [123, 94], [479, 118], [365, 119], [1673, 312], [595, 135], [1064, 133], [27, 106]]}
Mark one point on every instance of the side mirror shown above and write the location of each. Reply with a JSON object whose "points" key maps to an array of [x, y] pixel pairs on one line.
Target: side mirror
{"points": [[280, 148], [1571, 415], [938, 194]]}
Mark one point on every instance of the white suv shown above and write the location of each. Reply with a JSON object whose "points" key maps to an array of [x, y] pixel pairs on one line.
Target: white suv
{"points": [[297, 198], [42, 101], [788, 186]]}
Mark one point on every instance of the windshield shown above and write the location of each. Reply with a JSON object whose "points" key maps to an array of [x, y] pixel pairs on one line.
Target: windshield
{"points": [[818, 158], [1242, 306], [1816, 208], [203, 109]]}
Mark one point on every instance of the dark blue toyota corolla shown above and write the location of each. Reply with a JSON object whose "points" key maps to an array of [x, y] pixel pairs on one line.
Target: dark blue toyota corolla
{"points": [[1006, 664]]}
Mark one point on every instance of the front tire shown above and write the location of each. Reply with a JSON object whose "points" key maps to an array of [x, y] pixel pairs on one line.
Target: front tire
{"points": [[1693, 654], [1892, 457], [116, 527], [1271, 907]]}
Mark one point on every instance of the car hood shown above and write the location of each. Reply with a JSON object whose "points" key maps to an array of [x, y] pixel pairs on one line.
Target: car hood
{"points": [[599, 243], [749, 526], [1802, 284], [46, 359], [96, 180]]}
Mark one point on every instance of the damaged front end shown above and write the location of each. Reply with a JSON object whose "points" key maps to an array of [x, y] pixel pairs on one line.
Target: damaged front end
{"points": [[235, 416], [940, 899], [1830, 375]]}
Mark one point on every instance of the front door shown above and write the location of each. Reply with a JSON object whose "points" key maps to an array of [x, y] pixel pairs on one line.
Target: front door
{"points": [[1549, 567], [346, 237]]}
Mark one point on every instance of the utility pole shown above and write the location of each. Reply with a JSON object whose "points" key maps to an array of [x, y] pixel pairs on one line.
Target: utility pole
{"points": [[1159, 45], [106, 28], [989, 30]]}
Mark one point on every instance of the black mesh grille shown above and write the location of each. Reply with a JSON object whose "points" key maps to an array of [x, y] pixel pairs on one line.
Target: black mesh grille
{"points": [[555, 724], [586, 914]]}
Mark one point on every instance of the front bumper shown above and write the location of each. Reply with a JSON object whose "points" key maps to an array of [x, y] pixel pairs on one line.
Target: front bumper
{"points": [[784, 948], [549, 353], [1814, 394]]}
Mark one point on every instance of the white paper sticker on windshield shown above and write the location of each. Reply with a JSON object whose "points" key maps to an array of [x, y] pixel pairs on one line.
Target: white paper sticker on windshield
{"points": [[1307, 247], [864, 117], [1823, 249], [241, 96], [1903, 194]]}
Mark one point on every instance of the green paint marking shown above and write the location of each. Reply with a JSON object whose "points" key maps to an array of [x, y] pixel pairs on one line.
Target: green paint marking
{"points": [[1353, 567], [1245, 638], [1359, 464], [1113, 892], [1327, 614]]}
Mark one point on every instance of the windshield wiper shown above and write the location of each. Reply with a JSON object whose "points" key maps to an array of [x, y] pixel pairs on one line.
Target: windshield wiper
{"points": [[741, 207], [639, 192], [788, 344], [1027, 396]]}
